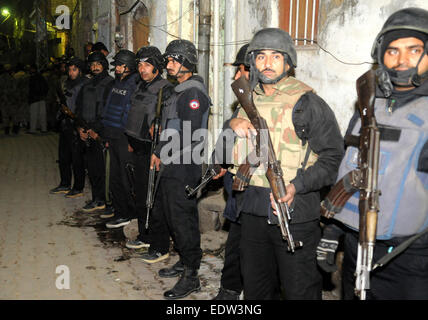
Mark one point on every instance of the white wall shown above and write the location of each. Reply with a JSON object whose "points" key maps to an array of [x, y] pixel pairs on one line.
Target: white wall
{"points": [[348, 31]]}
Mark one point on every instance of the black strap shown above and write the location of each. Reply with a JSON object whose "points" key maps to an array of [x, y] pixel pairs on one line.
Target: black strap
{"points": [[403, 246], [305, 161]]}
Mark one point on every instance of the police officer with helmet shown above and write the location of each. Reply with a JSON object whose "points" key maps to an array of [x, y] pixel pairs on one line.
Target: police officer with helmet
{"points": [[181, 165], [401, 102], [307, 141], [70, 147], [150, 64], [89, 106], [114, 120]]}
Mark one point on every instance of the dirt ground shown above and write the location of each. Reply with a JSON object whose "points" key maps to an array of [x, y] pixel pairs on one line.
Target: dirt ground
{"points": [[40, 232]]}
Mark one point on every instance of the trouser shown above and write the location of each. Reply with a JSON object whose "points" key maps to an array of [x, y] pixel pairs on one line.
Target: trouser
{"points": [[265, 259], [120, 186], [182, 220], [403, 278], [70, 155], [142, 167], [38, 116], [96, 169], [231, 273]]}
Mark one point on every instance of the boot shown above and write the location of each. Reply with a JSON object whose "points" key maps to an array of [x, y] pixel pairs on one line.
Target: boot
{"points": [[226, 294], [174, 271], [188, 283]]}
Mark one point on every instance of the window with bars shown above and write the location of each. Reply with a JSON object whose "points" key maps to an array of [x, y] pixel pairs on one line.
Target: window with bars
{"points": [[300, 19]]}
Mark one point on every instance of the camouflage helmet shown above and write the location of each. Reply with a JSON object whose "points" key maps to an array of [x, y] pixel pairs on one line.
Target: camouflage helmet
{"points": [[415, 19], [274, 39], [183, 48]]}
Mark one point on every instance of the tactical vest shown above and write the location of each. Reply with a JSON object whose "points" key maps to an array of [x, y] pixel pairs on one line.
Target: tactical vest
{"points": [[93, 98], [173, 124], [404, 190], [170, 118], [118, 103], [143, 110], [71, 95], [277, 110]]}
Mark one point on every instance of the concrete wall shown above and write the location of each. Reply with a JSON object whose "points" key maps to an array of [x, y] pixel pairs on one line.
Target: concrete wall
{"points": [[347, 29]]}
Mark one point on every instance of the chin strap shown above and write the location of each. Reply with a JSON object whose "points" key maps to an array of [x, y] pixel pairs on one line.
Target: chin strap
{"points": [[388, 78]]}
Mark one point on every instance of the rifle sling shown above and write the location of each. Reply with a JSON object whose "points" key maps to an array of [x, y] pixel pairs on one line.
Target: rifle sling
{"points": [[403, 246]]}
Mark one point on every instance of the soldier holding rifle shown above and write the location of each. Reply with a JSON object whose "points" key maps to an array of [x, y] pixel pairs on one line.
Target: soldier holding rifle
{"points": [[142, 115], [89, 106], [306, 139], [400, 231]]}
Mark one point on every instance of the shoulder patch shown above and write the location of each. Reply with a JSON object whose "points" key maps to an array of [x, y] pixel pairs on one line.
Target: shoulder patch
{"points": [[194, 104]]}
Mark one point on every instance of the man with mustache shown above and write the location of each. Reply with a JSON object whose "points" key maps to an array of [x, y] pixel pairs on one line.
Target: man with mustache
{"points": [[307, 141], [401, 104], [181, 161], [89, 106], [150, 64]]}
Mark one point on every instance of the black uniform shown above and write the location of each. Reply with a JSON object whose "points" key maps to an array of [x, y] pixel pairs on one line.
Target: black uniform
{"points": [[70, 150], [115, 116], [180, 213], [140, 119], [89, 107]]}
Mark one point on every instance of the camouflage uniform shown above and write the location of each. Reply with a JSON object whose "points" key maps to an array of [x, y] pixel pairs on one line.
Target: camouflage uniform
{"points": [[297, 120], [277, 111]]}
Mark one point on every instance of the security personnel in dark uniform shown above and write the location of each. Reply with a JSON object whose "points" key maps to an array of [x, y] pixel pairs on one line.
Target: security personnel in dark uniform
{"points": [[231, 280], [140, 119], [89, 107], [181, 165], [70, 148], [114, 119]]}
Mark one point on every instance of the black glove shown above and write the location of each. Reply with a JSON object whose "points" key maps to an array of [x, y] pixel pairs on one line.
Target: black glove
{"points": [[327, 247]]}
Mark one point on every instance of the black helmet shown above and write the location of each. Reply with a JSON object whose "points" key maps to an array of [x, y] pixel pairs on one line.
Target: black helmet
{"points": [[241, 57], [415, 19], [125, 57], [75, 61], [274, 39], [97, 56], [151, 55], [411, 21], [183, 48]]}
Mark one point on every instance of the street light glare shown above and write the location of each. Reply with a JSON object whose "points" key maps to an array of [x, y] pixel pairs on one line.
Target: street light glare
{"points": [[5, 12]]}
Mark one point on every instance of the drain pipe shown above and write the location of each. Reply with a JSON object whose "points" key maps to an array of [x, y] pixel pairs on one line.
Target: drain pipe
{"points": [[229, 57], [204, 39], [216, 69]]}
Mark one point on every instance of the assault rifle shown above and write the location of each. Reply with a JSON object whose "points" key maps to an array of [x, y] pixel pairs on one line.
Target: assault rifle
{"points": [[210, 173], [79, 121], [365, 180], [152, 172], [242, 90]]}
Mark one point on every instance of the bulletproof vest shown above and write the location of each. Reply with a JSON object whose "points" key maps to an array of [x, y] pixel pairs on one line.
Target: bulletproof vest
{"points": [[277, 110], [71, 95], [118, 103], [93, 98], [143, 109], [402, 180], [170, 119]]}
